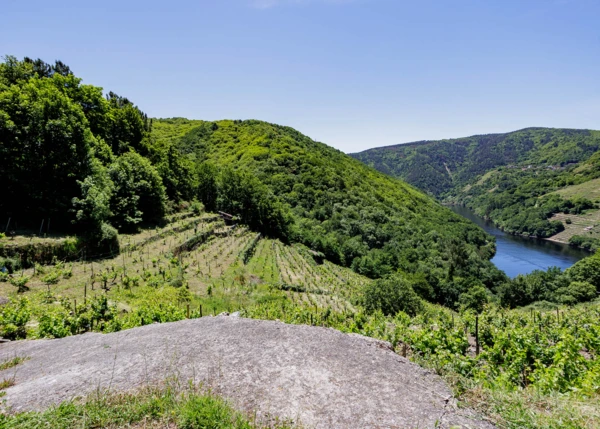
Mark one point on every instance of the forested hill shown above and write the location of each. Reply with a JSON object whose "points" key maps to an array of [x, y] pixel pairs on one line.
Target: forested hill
{"points": [[443, 167], [325, 199], [510, 178], [97, 166]]}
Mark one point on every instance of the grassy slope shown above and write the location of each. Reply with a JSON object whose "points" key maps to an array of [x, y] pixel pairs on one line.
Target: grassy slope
{"points": [[589, 189], [579, 223]]}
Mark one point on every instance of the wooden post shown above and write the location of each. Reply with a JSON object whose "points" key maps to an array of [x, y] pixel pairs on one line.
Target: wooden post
{"points": [[201, 310], [476, 335], [7, 223], [41, 226], [75, 307], [404, 350], [188, 311], [85, 293]]}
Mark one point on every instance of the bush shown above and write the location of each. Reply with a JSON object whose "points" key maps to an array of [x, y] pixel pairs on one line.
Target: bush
{"points": [[20, 283], [13, 318], [197, 207], [577, 292], [475, 299], [11, 264], [391, 295]]}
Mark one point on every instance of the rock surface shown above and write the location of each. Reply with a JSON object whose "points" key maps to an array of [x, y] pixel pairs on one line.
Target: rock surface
{"points": [[318, 377]]}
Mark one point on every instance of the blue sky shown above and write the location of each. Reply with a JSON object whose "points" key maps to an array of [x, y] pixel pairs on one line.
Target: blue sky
{"points": [[354, 74]]}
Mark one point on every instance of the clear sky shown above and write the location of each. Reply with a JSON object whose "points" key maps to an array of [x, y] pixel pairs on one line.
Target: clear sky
{"points": [[351, 73]]}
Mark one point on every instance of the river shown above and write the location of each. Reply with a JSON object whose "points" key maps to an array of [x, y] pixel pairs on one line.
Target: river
{"points": [[519, 255]]}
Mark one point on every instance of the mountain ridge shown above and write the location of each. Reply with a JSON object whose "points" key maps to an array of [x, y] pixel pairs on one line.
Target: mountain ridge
{"points": [[507, 177]]}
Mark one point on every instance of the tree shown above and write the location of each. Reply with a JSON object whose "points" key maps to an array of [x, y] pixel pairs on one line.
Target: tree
{"points": [[127, 126], [586, 270], [391, 295], [45, 150], [139, 194], [474, 299], [207, 189], [177, 173]]}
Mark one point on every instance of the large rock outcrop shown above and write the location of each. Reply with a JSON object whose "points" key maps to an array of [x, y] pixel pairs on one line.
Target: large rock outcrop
{"points": [[318, 377]]}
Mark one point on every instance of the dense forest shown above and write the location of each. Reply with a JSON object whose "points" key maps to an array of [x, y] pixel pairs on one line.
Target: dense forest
{"points": [[94, 164], [507, 178]]}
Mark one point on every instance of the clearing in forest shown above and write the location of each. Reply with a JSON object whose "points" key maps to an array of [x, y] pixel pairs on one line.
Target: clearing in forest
{"points": [[586, 224]]}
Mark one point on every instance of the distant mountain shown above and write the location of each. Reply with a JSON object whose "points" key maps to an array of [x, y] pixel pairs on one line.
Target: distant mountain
{"points": [[444, 167], [505, 177]]}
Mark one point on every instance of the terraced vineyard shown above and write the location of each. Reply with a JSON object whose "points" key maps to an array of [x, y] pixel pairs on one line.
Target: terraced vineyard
{"points": [[586, 224], [193, 266]]}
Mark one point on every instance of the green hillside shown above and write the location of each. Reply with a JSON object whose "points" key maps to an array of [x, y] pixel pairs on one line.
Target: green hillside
{"points": [[83, 163], [109, 221], [505, 177], [332, 203]]}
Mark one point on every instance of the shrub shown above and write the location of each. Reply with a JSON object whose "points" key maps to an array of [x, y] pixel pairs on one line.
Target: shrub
{"points": [[474, 299], [197, 207], [20, 283], [391, 295], [13, 318], [52, 277], [11, 264]]}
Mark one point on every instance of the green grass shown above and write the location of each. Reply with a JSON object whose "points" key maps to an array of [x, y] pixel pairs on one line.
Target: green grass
{"points": [[589, 189], [6, 383], [148, 408], [10, 363]]}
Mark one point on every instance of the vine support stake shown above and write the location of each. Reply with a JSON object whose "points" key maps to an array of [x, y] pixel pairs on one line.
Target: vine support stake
{"points": [[41, 226], [7, 223], [85, 293], [476, 335], [188, 311], [200, 310]]}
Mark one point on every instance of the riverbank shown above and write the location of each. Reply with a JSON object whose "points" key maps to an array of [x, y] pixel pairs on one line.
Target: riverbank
{"points": [[586, 224], [521, 255]]}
